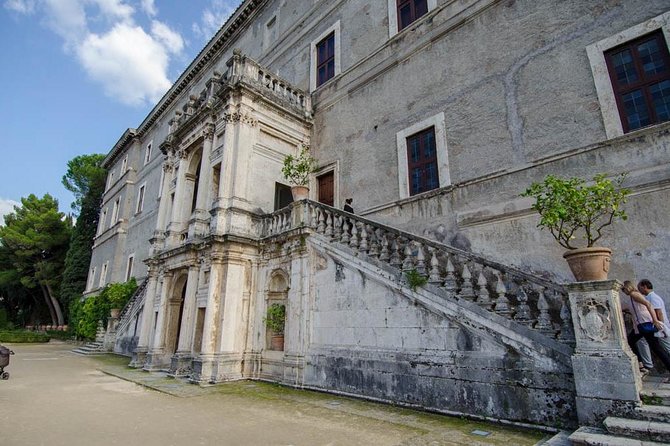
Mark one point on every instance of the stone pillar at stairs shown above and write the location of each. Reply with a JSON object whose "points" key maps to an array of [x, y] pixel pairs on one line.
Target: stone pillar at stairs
{"points": [[181, 361], [140, 353], [605, 369], [155, 357]]}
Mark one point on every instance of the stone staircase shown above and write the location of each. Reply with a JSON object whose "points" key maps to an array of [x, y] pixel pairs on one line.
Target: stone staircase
{"points": [[92, 348], [131, 308], [649, 427]]}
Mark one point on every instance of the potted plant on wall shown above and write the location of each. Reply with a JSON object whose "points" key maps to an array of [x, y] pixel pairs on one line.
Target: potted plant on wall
{"points": [[296, 170], [275, 320], [576, 214]]}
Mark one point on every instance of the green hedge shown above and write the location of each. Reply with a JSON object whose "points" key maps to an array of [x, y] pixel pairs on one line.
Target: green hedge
{"points": [[85, 314], [23, 336]]}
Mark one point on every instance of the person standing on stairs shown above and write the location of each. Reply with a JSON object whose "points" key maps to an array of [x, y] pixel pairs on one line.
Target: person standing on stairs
{"points": [[347, 205], [645, 287], [644, 314]]}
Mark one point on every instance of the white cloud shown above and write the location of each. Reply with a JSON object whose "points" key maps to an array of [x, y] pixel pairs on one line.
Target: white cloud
{"points": [[129, 62], [149, 8], [214, 17], [171, 40], [6, 207], [20, 6]]}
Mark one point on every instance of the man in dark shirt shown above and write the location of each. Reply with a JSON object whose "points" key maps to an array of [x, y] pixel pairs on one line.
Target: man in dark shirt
{"points": [[347, 205]]}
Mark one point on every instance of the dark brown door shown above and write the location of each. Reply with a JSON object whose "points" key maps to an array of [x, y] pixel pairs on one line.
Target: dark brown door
{"points": [[327, 189]]}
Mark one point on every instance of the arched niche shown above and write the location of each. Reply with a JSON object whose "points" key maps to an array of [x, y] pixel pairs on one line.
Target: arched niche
{"points": [[174, 312], [277, 293]]}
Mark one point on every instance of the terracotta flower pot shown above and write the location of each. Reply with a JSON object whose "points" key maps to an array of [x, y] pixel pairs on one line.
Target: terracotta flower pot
{"points": [[277, 342], [300, 192], [589, 264]]}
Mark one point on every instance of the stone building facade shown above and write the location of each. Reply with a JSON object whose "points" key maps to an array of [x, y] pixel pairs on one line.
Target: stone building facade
{"points": [[434, 115]]}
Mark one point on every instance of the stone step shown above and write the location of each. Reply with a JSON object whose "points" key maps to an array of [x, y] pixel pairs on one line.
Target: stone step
{"points": [[656, 396], [640, 429], [92, 348], [651, 412], [591, 436], [560, 439]]}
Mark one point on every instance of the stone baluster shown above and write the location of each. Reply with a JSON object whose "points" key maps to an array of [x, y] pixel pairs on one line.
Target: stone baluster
{"points": [[420, 260], [329, 225], [567, 334], [321, 227], [484, 298], [434, 275], [337, 234], [450, 282], [502, 306], [543, 323], [384, 254], [408, 257], [345, 231], [363, 244], [353, 240], [522, 314], [395, 260], [467, 292], [315, 217], [374, 242]]}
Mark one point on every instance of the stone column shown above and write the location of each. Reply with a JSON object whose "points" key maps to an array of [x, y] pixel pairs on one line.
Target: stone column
{"points": [[204, 365], [176, 224], [140, 353], [155, 358], [605, 369], [201, 224], [181, 362]]}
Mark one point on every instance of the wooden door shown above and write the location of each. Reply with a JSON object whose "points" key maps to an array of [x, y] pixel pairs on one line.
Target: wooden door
{"points": [[326, 184]]}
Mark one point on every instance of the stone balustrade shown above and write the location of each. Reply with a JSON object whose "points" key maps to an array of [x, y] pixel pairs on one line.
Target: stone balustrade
{"points": [[526, 299], [132, 306]]}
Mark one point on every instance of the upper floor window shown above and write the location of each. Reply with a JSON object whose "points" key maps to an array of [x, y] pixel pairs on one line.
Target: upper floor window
{"points": [[115, 212], [103, 274], [325, 56], [124, 165], [640, 75], [101, 223], [422, 162], [129, 267], [147, 153], [140, 199], [325, 59], [409, 11]]}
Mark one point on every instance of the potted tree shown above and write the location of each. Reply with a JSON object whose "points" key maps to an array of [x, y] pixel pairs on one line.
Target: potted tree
{"points": [[274, 321], [576, 214], [296, 170]]}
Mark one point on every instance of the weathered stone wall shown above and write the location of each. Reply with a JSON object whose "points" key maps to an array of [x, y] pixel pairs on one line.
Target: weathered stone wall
{"points": [[368, 338]]}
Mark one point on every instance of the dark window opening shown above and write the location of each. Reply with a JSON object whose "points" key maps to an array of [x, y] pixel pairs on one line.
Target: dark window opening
{"points": [[283, 196], [640, 75], [325, 59], [422, 162], [409, 11]]}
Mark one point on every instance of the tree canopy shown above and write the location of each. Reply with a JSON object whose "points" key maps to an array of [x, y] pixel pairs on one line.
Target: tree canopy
{"points": [[84, 172], [33, 244]]}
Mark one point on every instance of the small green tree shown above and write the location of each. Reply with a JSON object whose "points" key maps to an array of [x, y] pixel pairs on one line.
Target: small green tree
{"points": [[297, 169], [276, 318], [572, 210]]}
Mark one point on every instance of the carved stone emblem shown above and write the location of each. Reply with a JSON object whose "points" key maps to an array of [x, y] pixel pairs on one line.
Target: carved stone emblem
{"points": [[595, 321]]}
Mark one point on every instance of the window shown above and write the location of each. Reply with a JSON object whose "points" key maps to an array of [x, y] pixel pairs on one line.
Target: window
{"points": [[325, 59], [325, 56], [140, 199], [630, 73], [103, 219], [110, 180], [147, 153], [422, 157], [115, 212], [129, 267], [124, 165], [409, 11], [640, 74], [91, 279], [402, 13], [103, 274]]}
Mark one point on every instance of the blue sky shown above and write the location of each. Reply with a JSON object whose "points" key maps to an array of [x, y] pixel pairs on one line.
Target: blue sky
{"points": [[76, 73]]}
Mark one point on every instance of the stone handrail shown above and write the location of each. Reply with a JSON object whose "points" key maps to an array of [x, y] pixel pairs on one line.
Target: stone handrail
{"points": [[526, 299], [126, 311]]}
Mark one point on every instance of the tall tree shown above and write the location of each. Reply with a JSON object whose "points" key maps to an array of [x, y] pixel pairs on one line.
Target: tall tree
{"points": [[83, 173], [89, 177], [34, 242]]}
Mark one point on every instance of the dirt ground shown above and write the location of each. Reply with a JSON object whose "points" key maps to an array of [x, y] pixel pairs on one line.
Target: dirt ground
{"points": [[54, 397]]}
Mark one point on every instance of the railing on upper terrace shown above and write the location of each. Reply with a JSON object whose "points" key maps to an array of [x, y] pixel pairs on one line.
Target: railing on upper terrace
{"points": [[527, 299]]}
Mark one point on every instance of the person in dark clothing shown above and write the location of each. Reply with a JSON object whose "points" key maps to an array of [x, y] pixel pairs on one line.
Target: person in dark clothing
{"points": [[347, 205]]}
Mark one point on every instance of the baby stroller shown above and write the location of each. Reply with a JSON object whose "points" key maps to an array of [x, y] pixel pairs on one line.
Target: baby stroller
{"points": [[4, 361]]}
